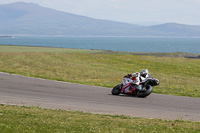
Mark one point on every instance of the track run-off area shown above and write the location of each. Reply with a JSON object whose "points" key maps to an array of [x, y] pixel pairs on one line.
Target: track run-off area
{"points": [[21, 90]]}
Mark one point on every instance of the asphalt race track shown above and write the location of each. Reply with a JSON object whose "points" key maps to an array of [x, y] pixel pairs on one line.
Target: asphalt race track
{"points": [[20, 90]]}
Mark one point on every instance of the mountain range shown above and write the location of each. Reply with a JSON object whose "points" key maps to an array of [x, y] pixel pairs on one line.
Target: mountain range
{"points": [[31, 19]]}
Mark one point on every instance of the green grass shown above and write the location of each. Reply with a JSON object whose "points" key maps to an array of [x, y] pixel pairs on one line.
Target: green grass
{"points": [[178, 76], [14, 119], [12, 48]]}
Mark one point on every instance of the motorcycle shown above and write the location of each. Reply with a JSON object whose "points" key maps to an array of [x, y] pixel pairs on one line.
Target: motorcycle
{"points": [[146, 85]]}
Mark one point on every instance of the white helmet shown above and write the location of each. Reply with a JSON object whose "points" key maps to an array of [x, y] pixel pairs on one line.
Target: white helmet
{"points": [[144, 72]]}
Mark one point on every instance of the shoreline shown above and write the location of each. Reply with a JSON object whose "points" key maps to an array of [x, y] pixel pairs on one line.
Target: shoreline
{"points": [[160, 54], [18, 35]]}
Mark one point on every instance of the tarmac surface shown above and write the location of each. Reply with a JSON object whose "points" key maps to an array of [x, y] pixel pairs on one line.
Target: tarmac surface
{"points": [[21, 90]]}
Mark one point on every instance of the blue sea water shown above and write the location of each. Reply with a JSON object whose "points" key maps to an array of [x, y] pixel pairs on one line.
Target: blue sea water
{"points": [[129, 44]]}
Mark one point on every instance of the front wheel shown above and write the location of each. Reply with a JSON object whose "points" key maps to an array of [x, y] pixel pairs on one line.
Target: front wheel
{"points": [[145, 93], [117, 89]]}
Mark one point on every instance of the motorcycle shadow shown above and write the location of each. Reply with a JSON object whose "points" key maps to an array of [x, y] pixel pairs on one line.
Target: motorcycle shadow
{"points": [[125, 95]]}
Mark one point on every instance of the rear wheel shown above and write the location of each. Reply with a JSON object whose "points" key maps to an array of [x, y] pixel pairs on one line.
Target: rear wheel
{"points": [[143, 94], [117, 89]]}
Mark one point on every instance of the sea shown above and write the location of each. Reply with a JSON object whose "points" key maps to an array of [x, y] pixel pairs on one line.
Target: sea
{"points": [[127, 44]]}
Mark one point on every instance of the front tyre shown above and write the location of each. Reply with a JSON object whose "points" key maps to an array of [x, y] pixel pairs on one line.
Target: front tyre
{"points": [[145, 93], [117, 89]]}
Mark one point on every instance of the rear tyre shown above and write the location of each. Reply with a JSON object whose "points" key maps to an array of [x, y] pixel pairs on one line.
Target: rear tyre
{"points": [[117, 89], [145, 93]]}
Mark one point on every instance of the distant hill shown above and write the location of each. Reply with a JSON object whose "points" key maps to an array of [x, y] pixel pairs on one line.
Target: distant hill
{"points": [[31, 19], [174, 29]]}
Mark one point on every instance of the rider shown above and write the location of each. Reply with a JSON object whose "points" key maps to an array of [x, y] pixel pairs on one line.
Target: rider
{"points": [[136, 78]]}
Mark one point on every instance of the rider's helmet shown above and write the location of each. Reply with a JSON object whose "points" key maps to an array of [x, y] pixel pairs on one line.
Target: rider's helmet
{"points": [[144, 72]]}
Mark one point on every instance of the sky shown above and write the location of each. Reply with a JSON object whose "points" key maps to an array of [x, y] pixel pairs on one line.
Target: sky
{"points": [[143, 12]]}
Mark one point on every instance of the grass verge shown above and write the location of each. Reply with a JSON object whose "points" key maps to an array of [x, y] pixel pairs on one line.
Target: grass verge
{"points": [[177, 75], [34, 119]]}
